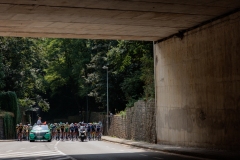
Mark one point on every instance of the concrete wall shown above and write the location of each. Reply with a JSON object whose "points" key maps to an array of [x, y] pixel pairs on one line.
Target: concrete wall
{"points": [[198, 86], [138, 124]]}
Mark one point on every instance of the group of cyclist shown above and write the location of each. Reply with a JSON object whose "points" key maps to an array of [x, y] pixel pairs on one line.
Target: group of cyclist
{"points": [[66, 131], [23, 131]]}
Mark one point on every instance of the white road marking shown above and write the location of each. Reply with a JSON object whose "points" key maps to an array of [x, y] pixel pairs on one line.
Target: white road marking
{"points": [[33, 146], [122, 150], [113, 148], [30, 155], [22, 148], [55, 147], [143, 155], [9, 151]]}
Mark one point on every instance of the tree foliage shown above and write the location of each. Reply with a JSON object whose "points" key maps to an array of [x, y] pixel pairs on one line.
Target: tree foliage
{"points": [[132, 65], [8, 102], [66, 71], [66, 64], [23, 67], [1, 72], [9, 129]]}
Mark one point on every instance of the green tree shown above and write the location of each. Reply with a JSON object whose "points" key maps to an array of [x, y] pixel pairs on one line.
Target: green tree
{"points": [[23, 66], [131, 62], [147, 76], [1, 72], [67, 59]]}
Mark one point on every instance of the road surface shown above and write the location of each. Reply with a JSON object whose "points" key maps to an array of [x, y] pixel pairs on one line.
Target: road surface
{"points": [[74, 150]]}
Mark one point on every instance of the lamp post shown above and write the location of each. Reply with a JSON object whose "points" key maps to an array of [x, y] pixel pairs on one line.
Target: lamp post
{"points": [[87, 104], [87, 109], [105, 67]]}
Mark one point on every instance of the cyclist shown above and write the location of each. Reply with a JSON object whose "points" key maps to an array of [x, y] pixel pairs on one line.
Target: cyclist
{"points": [[54, 129], [62, 130], [50, 128], [71, 129], [98, 131], [28, 130], [76, 130], [20, 130], [93, 133], [89, 130], [58, 128], [66, 130], [25, 131]]}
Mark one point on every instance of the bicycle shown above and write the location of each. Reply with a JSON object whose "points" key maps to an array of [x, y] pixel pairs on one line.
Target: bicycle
{"points": [[89, 136], [76, 135], [58, 136], [71, 135], [93, 135], [20, 136], [99, 136], [62, 135]]}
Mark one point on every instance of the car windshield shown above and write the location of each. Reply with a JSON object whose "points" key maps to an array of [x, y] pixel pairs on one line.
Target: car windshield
{"points": [[40, 127]]}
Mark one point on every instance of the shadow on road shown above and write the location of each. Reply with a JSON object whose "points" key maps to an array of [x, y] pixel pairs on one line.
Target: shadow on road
{"points": [[54, 155]]}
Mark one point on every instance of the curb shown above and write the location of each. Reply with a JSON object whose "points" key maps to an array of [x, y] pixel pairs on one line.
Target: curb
{"points": [[132, 145], [195, 155]]}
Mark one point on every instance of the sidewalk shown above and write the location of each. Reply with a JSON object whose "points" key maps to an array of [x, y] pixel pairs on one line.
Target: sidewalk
{"points": [[195, 152]]}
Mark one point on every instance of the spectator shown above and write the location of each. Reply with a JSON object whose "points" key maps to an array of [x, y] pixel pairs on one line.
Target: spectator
{"points": [[111, 115]]}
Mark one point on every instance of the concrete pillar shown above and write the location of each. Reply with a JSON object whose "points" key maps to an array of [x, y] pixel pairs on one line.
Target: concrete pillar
{"points": [[198, 86]]}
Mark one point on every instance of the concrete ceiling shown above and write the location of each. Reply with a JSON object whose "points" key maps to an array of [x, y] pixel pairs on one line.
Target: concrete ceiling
{"points": [[107, 19]]}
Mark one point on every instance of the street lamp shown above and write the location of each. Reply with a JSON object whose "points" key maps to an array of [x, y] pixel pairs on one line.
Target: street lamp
{"points": [[105, 67], [87, 103]]}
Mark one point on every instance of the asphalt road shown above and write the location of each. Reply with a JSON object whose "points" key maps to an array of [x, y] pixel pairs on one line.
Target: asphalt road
{"points": [[73, 150]]}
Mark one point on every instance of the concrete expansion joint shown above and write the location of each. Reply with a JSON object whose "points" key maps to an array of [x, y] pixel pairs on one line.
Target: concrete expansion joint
{"points": [[96, 8]]}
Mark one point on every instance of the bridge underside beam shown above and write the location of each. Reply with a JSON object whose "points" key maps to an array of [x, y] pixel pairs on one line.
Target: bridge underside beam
{"points": [[113, 19]]}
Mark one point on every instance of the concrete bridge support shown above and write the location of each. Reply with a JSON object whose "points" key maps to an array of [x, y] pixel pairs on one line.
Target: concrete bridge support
{"points": [[198, 86]]}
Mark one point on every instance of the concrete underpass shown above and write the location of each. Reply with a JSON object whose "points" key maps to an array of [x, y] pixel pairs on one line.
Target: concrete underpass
{"points": [[197, 55]]}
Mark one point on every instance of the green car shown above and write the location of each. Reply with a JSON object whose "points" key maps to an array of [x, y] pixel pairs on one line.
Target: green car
{"points": [[40, 132]]}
